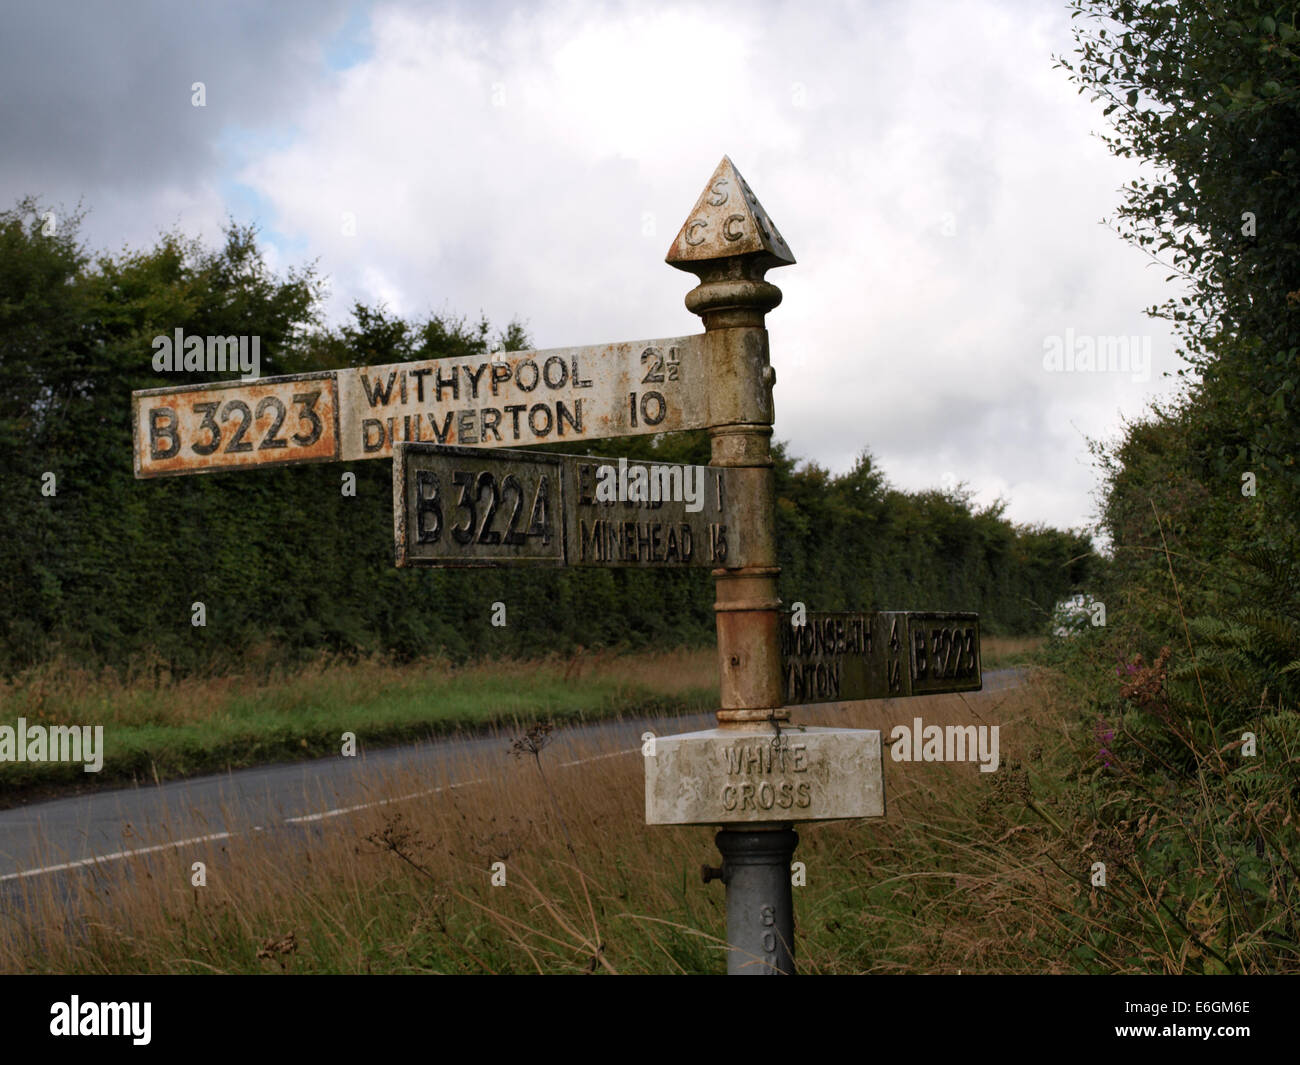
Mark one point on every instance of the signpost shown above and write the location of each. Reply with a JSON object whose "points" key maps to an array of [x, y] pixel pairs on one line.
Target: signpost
{"points": [[457, 502]]}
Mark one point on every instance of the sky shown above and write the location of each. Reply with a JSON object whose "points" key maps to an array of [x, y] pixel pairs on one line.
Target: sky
{"points": [[942, 186]]}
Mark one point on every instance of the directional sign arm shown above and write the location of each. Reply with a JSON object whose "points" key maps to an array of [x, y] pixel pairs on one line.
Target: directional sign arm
{"points": [[512, 399], [470, 507], [844, 657]]}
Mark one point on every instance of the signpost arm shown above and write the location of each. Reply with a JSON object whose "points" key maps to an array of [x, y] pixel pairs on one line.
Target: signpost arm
{"points": [[729, 243]]}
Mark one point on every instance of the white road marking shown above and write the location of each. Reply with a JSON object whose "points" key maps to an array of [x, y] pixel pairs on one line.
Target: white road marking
{"points": [[303, 819], [115, 856], [599, 757]]}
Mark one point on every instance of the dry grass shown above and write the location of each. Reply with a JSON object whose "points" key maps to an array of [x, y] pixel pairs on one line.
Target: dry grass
{"points": [[998, 652], [940, 884]]}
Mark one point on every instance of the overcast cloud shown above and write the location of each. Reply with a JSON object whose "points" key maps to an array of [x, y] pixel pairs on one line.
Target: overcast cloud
{"points": [[937, 179]]}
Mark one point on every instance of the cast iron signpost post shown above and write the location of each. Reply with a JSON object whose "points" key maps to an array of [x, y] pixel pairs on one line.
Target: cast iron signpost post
{"points": [[460, 498], [756, 775], [729, 244]]}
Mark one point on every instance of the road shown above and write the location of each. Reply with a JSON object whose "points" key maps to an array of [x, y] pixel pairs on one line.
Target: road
{"points": [[67, 835]]}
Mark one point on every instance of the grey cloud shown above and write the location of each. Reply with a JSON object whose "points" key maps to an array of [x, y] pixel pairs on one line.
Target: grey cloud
{"points": [[96, 97]]}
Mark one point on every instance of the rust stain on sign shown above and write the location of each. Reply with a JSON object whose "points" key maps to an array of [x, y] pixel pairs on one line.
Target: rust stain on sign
{"points": [[200, 428], [511, 399]]}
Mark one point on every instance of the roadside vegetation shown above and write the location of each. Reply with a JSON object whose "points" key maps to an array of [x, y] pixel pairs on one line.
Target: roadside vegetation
{"points": [[968, 872], [101, 570], [1192, 685], [955, 877], [163, 729]]}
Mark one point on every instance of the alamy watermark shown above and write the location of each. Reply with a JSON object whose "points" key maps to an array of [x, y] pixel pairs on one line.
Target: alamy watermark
{"points": [[196, 354], [1077, 615], [651, 484], [57, 743], [1098, 354], [102, 1018], [919, 742]]}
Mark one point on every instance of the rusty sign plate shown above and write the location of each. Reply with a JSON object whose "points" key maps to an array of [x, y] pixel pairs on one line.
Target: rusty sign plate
{"points": [[197, 428], [458, 506], [842, 657], [517, 398]]}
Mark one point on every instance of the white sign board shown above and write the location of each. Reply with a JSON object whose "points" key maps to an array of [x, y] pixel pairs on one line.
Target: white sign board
{"points": [[754, 775]]}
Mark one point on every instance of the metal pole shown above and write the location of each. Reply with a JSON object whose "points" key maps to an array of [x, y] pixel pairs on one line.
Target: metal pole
{"points": [[732, 298], [760, 908]]}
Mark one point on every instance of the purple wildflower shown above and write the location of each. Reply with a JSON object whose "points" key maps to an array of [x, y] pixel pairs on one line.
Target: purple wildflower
{"points": [[1105, 735]]}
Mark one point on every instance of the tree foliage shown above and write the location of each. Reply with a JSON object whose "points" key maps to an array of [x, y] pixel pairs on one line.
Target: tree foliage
{"points": [[1207, 97], [1193, 685]]}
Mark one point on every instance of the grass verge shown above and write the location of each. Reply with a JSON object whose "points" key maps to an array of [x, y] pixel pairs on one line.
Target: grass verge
{"points": [[158, 731]]}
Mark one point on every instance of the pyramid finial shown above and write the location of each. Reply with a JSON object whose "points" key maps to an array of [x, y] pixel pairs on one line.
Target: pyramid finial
{"points": [[728, 221]]}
